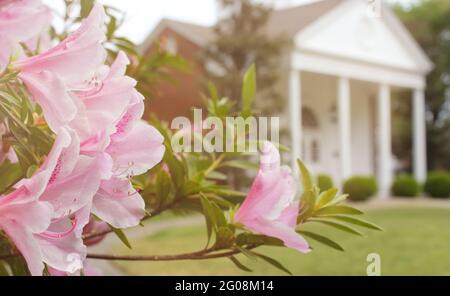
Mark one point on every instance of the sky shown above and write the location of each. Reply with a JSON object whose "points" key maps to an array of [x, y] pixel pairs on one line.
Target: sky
{"points": [[144, 15]]}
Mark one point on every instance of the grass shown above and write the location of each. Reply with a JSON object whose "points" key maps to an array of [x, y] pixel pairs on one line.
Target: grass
{"points": [[416, 241]]}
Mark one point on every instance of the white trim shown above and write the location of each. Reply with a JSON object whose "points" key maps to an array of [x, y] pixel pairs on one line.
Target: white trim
{"points": [[330, 65], [344, 127], [385, 172], [419, 135], [295, 103], [424, 64]]}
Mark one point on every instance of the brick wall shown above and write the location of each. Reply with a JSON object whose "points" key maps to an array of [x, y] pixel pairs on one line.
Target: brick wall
{"points": [[177, 98]]}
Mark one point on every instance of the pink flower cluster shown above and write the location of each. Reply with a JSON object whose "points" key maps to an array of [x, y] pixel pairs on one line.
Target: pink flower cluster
{"points": [[95, 112]]}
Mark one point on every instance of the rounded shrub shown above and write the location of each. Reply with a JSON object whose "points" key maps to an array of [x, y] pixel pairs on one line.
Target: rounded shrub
{"points": [[405, 186], [438, 184], [360, 188], [324, 182]]}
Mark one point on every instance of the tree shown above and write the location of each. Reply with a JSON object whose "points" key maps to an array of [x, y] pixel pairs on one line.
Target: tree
{"points": [[241, 40], [429, 22]]}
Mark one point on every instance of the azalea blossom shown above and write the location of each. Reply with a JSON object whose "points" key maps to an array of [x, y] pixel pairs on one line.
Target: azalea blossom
{"points": [[37, 215], [15, 27], [271, 207]]}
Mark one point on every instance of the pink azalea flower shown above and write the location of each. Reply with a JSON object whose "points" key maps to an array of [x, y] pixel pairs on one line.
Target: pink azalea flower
{"points": [[15, 17], [51, 75], [118, 203], [104, 100], [63, 187], [75, 178], [22, 217], [271, 206], [77, 57]]}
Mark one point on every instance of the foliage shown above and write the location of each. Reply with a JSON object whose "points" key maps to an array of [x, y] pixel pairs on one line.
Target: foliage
{"points": [[438, 184], [429, 22], [324, 182], [241, 40], [405, 186], [360, 188]]}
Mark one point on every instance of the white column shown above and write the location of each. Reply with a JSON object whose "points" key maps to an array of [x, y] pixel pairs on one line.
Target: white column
{"points": [[419, 135], [344, 128], [384, 141], [295, 103]]}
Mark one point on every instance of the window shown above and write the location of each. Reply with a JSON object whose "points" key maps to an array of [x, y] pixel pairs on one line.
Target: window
{"points": [[169, 44]]}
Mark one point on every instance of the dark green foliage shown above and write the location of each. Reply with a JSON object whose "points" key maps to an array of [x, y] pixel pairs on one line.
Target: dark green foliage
{"points": [[438, 184], [360, 188], [405, 186], [324, 182]]}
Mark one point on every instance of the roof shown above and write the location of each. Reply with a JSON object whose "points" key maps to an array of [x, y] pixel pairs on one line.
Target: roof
{"points": [[288, 21]]}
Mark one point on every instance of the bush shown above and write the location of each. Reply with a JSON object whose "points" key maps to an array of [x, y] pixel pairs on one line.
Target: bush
{"points": [[405, 186], [438, 184], [360, 188], [324, 182]]}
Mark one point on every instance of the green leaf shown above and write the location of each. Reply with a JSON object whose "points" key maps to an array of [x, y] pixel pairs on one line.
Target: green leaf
{"points": [[208, 213], [213, 93], [219, 215], [355, 221], [249, 88], [322, 239], [307, 205], [240, 164], [121, 235], [257, 239], [163, 185], [3, 269], [306, 178], [86, 7], [337, 225], [326, 197], [224, 237], [273, 262], [239, 264], [339, 210]]}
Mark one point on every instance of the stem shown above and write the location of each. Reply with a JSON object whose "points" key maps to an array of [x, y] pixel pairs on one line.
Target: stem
{"points": [[199, 255]]}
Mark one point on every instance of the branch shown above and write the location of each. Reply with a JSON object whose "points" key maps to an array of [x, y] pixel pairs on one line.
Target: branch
{"points": [[199, 255]]}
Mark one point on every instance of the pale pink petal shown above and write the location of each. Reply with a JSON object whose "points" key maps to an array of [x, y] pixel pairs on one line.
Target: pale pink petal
{"points": [[137, 151], [76, 190], [50, 93], [15, 19], [61, 248], [25, 243], [77, 58], [118, 204], [281, 231]]}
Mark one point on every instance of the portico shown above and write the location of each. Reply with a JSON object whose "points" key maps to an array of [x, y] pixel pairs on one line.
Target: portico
{"points": [[350, 74]]}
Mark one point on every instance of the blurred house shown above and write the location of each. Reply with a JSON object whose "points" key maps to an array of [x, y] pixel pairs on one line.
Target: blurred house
{"points": [[347, 59]]}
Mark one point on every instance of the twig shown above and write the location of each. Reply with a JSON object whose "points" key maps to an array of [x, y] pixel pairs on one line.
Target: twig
{"points": [[200, 255]]}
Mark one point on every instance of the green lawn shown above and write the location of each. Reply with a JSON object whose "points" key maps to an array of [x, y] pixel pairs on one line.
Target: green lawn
{"points": [[415, 242]]}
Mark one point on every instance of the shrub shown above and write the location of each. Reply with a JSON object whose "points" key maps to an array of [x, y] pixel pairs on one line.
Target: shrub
{"points": [[360, 188], [405, 186], [324, 182], [438, 184]]}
